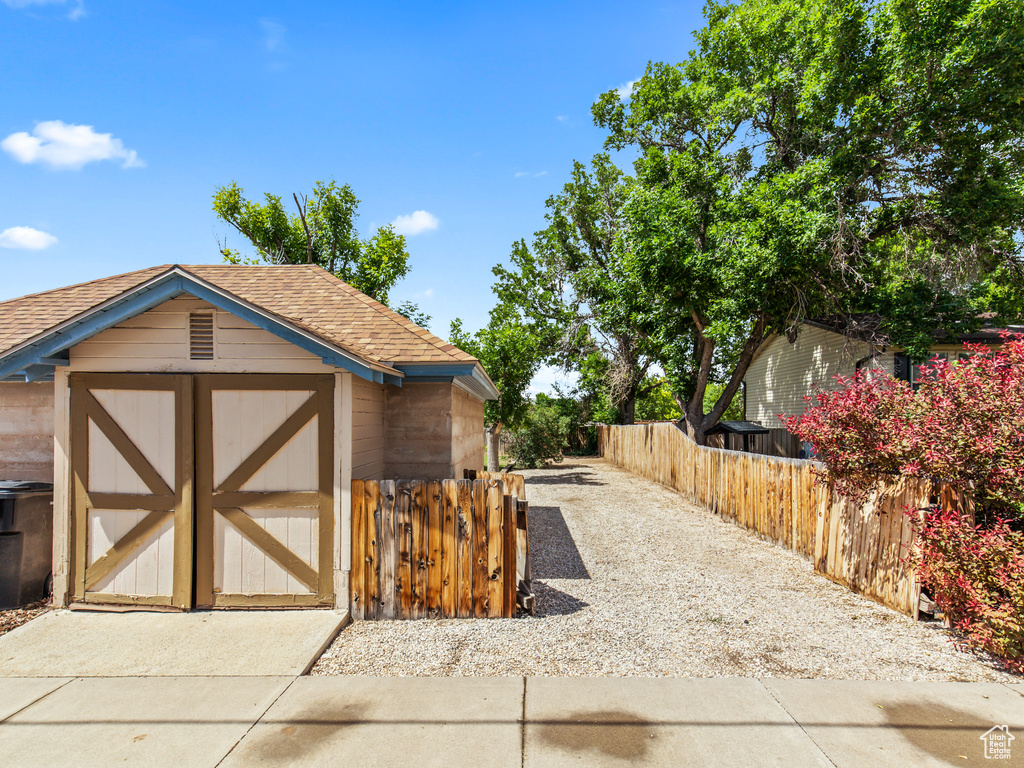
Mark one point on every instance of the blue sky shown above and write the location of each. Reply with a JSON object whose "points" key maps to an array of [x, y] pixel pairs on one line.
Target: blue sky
{"points": [[469, 112]]}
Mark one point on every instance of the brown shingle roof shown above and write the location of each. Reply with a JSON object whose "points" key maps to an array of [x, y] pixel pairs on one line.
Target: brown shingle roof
{"points": [[305, 295]]}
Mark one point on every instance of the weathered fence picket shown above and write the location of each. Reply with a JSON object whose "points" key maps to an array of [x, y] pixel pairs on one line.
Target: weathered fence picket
{"points": [[865, 547]]}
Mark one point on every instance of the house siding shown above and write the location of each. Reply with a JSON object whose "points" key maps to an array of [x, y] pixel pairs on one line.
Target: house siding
{"points": [[783, 373], [367, 430], [26, 431], [157, 341]]}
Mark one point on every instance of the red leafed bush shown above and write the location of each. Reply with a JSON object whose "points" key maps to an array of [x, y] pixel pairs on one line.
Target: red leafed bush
{"points": [[976, 575], [965, 425]]}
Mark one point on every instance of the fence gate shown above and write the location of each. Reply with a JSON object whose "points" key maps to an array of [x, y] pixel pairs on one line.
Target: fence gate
{"points": [[264, 490], [131, 460]]}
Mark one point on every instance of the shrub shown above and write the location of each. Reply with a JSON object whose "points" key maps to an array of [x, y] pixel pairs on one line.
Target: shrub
{"points": [[964, 425], [976, 575], [542, 439]]}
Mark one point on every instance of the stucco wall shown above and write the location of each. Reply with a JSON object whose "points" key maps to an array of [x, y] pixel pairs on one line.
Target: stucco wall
{"points": [[783, 373], [431, 431], [26, 431], [417, 431], [468, 442]]}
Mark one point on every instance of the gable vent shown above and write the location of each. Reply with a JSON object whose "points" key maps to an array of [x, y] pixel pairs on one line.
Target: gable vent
{"points": [[200, 336]]}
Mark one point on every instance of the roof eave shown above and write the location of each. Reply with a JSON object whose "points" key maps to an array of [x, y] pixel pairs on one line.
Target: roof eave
{"points": [[468, 375]]}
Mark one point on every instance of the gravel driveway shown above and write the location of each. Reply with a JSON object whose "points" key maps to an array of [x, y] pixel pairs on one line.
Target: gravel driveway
{"points": [[631, 580]]}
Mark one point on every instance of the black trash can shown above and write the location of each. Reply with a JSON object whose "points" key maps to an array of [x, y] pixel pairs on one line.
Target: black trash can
{"points": [[26, 541]]}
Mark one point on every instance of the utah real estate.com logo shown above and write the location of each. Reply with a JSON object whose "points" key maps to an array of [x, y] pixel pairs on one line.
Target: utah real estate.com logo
{"points": [[997, 742]]}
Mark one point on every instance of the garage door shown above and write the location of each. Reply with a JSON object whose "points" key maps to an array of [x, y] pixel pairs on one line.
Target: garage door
{"points": [[264, 509], [131, 459], [206, 490]]}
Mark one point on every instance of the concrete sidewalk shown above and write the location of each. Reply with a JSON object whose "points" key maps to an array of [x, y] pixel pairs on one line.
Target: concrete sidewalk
{"points": [[65, 643], [331, 721]]}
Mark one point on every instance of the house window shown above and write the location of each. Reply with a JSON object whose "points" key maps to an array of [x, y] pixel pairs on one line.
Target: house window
{"points": [[200, 336], [907, 370]]}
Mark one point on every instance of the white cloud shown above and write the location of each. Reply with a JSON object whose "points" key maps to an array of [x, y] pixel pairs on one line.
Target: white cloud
{"points": [[626, 89], [60, 145], [524, 174], [562, 118], [77, 10], [538, 175], [415, 222], [428, 293], [273, 34], [26, 239]]}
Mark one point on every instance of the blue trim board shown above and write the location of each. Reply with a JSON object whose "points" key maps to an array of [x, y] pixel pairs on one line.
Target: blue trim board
{"points": [[468, 375], [52, 349], [123, 308]]}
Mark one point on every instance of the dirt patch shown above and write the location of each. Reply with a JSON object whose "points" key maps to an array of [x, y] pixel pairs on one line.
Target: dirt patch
{"points": [[15, 617]]}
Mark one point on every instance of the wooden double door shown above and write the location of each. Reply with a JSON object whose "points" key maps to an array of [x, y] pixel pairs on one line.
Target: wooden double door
{"points": [[202, 490]]}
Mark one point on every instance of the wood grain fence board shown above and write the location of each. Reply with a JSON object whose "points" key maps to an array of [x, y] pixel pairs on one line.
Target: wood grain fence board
{"points": [[357, 578], [480, 535], [403, 549], [372, 567], [435, 548], [495, 557], [449, 578], [881, 567], [509, 540], [464, 553], [387, 550], [418, 550]]}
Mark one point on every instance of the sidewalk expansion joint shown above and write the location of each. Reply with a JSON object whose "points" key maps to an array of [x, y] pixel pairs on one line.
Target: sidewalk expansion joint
{"points": [[256, 721], [797, 722], [37, 700], [522, 729]]}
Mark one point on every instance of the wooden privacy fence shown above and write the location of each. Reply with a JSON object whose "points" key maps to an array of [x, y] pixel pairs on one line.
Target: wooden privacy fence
{"points": [[433, 548], [864, 547]]}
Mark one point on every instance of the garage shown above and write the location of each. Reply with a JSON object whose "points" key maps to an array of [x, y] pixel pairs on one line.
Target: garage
{"points": [[208, 421]]}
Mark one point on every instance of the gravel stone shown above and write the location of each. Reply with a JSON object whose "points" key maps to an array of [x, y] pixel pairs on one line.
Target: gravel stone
{"points": [[632, 580], [13, 618]]}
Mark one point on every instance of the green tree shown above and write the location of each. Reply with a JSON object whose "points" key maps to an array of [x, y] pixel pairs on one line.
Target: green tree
{"points": [[542, 437], [321, 231], [820, 157], [412, 311], [578, 290], [509, 352]]}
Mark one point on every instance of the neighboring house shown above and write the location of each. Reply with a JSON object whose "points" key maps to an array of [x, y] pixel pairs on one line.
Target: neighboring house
{"points": [[784, 372], [204, 424]]}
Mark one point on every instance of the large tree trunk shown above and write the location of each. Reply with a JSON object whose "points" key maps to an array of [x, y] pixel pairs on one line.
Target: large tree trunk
{"points": [[697, 422], [629, 409], [493, 433]]}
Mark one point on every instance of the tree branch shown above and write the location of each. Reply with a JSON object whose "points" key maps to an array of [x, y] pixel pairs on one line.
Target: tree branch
{"points": [[302, 215]]}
